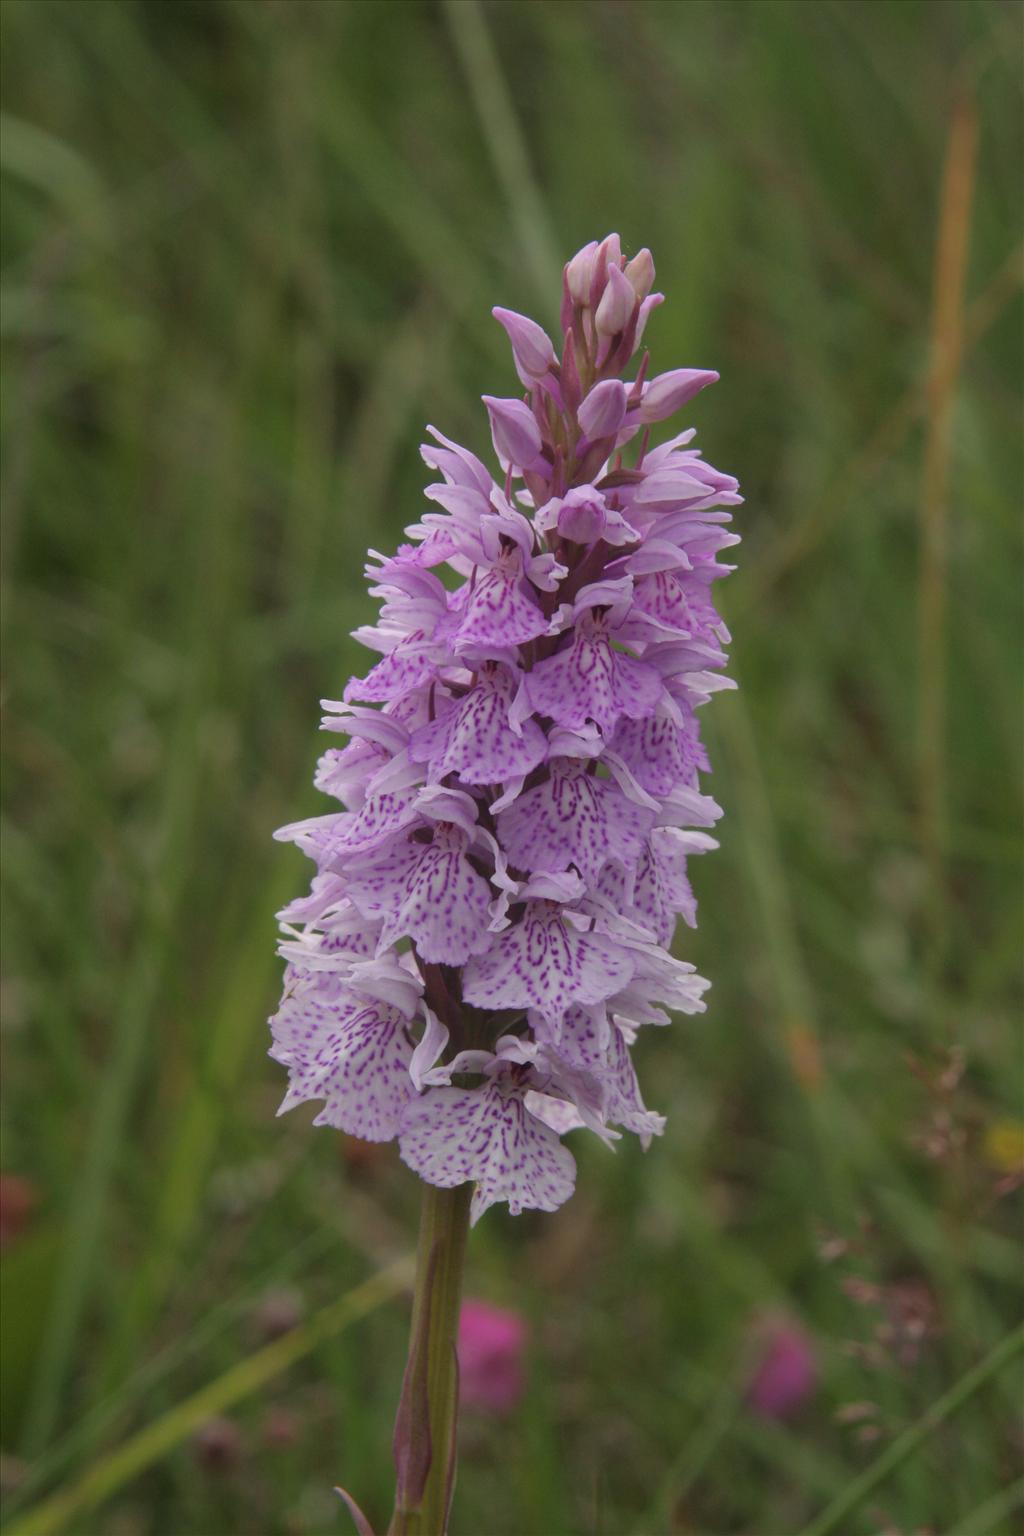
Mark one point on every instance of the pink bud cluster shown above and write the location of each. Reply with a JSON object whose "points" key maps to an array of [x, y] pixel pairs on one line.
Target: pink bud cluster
{"points": [[491, 919]]}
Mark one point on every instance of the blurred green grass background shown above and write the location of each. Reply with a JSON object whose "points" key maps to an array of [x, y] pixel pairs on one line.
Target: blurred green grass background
{"points": [[249, 248]]}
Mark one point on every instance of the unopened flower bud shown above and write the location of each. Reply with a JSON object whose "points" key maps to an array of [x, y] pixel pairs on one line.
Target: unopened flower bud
{"points": [[514, 431], [531, 345], [640, 272], [602, 411], [579, 515], [669, 391], [617, 304], [579, 273], [610, 254]]}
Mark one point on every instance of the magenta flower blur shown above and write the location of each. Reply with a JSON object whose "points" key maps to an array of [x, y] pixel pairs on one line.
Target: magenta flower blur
{"points": [[786, 1373], [491, 1349], [490, 923]]}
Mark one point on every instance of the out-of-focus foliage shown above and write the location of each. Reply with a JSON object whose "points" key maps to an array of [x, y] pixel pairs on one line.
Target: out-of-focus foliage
{"points": [[249, 248]]}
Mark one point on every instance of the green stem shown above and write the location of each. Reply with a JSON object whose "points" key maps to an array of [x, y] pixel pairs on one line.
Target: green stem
{"points": [[426, 1420]]}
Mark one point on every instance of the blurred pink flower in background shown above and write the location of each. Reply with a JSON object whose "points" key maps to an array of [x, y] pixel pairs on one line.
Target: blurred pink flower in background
{"points": [[786, 1372], [218, 1445], [18, 1200], [491, 1348]]}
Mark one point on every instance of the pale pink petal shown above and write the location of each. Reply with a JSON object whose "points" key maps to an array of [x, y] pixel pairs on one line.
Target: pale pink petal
{"points": [[427, 891], [326, 891], [671, 848], [339, 939], [596, 1048], [445, 905], [559, 1114], [685, 807], [498, 611], [563, 886], [623, 1104], [591, 681], [412, 664], [380, 817], [352, 1052], [543, 962], [660, 978], [514, 432], [487, 1135], [345, 772], [457, 464], [439, 803], [531, 345], [661, 753], [436, 545], [680, 601], [573, 818], [639, 893], [475, 738], [377, 879], [429, 1050], [389, 978]]}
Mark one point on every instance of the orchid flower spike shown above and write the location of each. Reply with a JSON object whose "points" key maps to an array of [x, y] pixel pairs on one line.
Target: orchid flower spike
{"points": [[496, 892]]}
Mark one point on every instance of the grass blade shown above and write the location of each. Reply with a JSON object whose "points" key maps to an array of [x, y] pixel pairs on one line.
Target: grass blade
{"points": [[904, 1446], [113, 1471], [494, 107]]}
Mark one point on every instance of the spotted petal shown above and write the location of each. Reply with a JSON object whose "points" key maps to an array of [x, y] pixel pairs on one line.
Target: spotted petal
{"points": [[487, 1135], [573, 818], [349, 1050], [591, 681], [545, 962], [333, 944], [498, 611], [412, 664], [326, 893], [475, 737], [656, 889], [661, 752], [332, 840], [624, 1104], [428, 891], [590, 1043], [680, 601]]}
